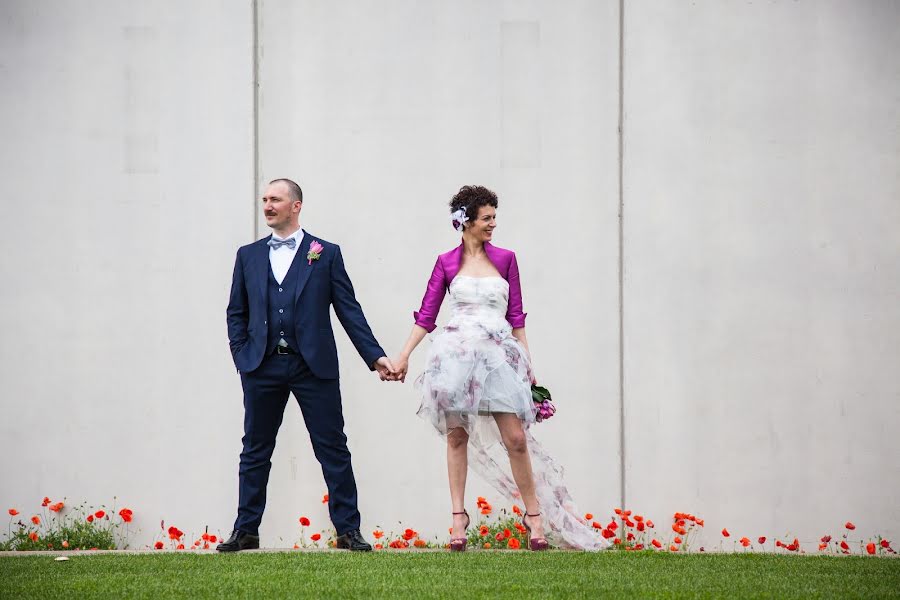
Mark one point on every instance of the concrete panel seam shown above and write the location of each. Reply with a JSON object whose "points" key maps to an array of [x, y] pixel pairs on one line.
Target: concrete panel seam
{"points": [[255, 50], [621, 175]]}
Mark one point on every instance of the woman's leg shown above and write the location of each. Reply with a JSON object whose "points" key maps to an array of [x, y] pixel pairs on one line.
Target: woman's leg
{"points": [[457, 467], [513, 435]]}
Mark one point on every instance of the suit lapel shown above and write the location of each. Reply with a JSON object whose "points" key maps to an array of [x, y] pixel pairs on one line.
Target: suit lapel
{"points": [[303, 266], [261, 267]]}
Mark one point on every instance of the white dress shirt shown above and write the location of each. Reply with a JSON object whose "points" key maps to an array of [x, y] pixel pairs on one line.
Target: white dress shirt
{"points": [[281, 258]]}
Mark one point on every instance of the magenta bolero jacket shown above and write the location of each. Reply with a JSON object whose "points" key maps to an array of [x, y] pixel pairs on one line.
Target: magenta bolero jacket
{"points": [[446, 268]]}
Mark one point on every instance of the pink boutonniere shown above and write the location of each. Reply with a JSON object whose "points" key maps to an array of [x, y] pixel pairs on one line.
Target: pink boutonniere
{"points": [[315, 251]]}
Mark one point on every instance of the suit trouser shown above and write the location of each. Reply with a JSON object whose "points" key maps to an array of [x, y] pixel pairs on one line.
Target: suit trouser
{"points": [[266, 392]]}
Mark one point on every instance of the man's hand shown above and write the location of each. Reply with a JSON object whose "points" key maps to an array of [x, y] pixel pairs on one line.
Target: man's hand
{"points": [[386, 370]]}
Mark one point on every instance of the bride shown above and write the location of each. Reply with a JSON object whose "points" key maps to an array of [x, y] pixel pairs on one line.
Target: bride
{"points": [[476, 388]]}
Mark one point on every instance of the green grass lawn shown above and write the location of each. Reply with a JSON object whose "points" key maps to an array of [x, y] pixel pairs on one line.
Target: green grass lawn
{"points": [[445, 575]]}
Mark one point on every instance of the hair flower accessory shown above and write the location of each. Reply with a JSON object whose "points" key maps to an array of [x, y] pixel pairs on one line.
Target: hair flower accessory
{"points": [[459, 219], [315, 251]]}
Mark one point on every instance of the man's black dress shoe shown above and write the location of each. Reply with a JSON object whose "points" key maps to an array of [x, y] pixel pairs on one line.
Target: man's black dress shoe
{"points": [[353, 540], [239, 540]]}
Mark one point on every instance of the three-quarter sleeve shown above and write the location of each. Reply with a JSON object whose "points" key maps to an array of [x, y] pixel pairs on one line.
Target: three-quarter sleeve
{"points": [[514, 313], [426, 316]]}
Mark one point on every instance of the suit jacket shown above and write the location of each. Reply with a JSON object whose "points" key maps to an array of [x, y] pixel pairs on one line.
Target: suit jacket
{"points": [[445, 269], [322, 284]]}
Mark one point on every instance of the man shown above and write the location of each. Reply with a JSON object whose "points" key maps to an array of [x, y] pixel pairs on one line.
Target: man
{"points": [[279, 329]]}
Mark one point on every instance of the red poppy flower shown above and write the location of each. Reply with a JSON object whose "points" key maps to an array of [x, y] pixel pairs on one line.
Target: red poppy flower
{"points": [[640, 526], [673, 548], [596, 525], [677, 540], [513, 544], [885, 544], [606, 533], [379, 546], [409, 534], [65, 544], [778, 544], [304, 521], [822, 546], [699, 522], [13, 512], [325, 499], [33, 536], [56, 507], [315, 537], [744, 541], [618, 511], [844, 545], [158, 545], [213, 539], [420, 543], [650, 524], [588, 517], [179, 547], [521, 528], [679, 529], [638, 518], [486, 509], [849, 525], [378, 533], [656, 543], [483, 530], [126, 514], [761, 539], [36, 520], [100, 514], [612, 526], [46, 501], [870, 547], [487, 546], [793, 547], [825, 539], [629, 537], [517, 510], [175, 533], [90, 518], [725, 533]]}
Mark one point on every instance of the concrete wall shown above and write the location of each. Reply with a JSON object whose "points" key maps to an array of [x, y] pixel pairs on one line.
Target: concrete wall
{"points": [[762, 202], [760, 252], [127, 186]]}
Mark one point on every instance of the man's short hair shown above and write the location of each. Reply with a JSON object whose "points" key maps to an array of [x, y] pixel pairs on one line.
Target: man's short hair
{"points": [[296, 192]]}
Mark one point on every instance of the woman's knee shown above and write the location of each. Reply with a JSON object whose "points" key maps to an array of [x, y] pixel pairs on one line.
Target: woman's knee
{"points": [[515, 442], [457, 438]]}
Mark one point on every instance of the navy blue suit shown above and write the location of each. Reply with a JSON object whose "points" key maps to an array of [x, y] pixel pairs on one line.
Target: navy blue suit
{"points": [[261, 311]]}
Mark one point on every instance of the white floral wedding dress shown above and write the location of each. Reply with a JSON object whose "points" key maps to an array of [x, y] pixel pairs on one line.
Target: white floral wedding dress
{"points": [[476, 368]]}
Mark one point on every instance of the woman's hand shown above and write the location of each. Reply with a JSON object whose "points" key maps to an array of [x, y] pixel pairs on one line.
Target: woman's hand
{"points": [[401, 367]]}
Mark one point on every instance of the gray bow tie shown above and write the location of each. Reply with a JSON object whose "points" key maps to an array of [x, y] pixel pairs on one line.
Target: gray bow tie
{"points": [[290, 243]]}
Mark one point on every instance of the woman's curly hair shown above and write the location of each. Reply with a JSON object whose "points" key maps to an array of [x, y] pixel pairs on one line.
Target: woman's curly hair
{"points": [[472, 197]]}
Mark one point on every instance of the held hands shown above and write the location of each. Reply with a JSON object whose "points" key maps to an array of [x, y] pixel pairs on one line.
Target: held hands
{"points": [[401, 363], [386, 369]]}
